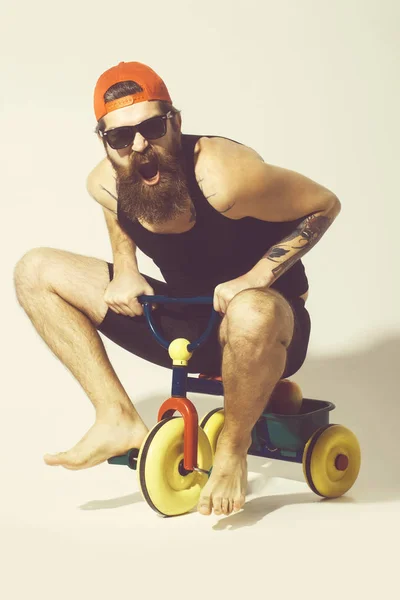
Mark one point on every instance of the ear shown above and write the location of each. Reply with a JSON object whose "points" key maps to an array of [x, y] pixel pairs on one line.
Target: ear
{"points": [[178, 119]]}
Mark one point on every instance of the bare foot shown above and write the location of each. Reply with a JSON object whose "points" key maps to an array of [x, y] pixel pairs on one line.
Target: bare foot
{"points": [[111, 435], [225, 491]]}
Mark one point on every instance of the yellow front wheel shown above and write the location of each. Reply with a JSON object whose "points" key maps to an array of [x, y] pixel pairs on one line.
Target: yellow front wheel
{"points": [[331, 461], [212, 424], [165, 485]]}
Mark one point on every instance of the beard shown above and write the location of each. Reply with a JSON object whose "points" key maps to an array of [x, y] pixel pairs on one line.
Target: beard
{"points": [[153, 204]]}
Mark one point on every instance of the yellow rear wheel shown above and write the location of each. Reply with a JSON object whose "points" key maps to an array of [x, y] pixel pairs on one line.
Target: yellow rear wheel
{"points": [[212, 424], [163, 482], [331, 461]]}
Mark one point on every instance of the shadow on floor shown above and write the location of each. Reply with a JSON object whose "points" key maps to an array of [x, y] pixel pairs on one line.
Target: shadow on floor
{"points": [[112, 502], [365, 390], [257, 509]]}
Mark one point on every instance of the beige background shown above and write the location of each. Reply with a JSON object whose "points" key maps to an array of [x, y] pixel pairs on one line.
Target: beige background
{"points": [[312, 86]]}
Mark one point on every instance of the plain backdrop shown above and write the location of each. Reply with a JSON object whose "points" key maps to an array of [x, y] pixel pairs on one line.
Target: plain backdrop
{"points": [[313, 86]]}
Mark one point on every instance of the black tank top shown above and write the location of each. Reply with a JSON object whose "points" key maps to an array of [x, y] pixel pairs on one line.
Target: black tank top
{"points": [[216, 249]]}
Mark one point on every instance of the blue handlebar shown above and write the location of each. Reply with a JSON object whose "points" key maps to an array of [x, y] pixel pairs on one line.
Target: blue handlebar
{"points": [[169, 300], [147, 301]]}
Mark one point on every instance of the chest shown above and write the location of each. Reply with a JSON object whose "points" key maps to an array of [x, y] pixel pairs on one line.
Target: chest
{"points": [[211, 242]]}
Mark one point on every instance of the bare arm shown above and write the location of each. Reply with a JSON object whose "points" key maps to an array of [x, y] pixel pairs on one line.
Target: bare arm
{"points": [[128, 283], [123, 247], [240, 184], [295, 245]]}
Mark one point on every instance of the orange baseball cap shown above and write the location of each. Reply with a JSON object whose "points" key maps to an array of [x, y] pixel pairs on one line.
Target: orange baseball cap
{"points": [[153, 87]]}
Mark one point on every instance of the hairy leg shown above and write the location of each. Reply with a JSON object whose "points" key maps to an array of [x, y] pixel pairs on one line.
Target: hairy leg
{"points": [[62, 294], [255, 334]]}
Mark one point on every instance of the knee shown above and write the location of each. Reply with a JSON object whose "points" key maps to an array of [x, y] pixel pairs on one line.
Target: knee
{"points": [[29, 270], [254, 311]]}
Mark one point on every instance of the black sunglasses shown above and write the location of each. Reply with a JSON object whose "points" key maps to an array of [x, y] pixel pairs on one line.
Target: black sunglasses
{"points": [[151, 129]]}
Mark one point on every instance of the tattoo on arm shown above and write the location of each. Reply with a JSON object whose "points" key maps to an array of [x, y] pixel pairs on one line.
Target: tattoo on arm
{"points": [[112, 195], [212, 195], [201, 187], [301, 240], [226, 209], [114, 212]]}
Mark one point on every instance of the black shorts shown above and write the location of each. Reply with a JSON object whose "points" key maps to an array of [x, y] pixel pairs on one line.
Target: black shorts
{"points": [[189, 322]]}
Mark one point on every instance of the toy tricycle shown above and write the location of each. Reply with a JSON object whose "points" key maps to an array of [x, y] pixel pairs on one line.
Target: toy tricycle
{"points": [[175, 460]]}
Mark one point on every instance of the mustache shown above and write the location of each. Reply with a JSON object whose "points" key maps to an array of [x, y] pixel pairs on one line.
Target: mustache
{"points": [[168, 163], [141, 159], [130, 171]]}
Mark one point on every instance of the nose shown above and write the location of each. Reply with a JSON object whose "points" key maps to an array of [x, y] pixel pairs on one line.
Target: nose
{"points": [[139, 143]]}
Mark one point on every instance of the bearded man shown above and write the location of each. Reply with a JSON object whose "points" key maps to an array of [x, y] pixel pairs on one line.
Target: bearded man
{"points": [[218, 221]]}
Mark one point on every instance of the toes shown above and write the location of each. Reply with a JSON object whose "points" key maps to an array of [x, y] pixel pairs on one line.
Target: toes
{"points": [[204, 506], [217, 505], [226, 506], [63, 459], [239, 503], [53, 459]]}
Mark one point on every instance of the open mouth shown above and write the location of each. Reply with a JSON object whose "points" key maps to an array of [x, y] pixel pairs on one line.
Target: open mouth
{"points": [[149, 171]]}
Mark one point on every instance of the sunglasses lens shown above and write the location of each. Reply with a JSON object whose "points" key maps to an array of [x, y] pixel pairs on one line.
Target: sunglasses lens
{"points": [[153, 128], [121, 137]]}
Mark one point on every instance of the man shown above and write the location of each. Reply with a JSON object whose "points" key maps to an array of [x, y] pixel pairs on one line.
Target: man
{"points": [[217, 220]]}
